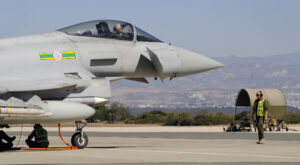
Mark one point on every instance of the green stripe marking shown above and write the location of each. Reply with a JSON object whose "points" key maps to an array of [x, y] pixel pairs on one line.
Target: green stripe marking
{"points": [[65, 55], [46, 56], [68, 54]]}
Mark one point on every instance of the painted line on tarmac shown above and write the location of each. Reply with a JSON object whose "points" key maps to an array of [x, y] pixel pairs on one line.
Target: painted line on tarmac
{"points": [[211, 153]]}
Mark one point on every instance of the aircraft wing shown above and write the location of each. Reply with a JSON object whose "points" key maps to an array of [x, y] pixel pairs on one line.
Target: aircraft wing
{"points": [[21, 85], [142, 80]]}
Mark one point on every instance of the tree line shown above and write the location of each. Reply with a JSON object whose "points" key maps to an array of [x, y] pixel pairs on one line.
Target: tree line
{"points": [[118, 112]]}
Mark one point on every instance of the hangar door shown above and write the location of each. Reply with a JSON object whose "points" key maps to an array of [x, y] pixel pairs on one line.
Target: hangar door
{"points": [[275, 97]]}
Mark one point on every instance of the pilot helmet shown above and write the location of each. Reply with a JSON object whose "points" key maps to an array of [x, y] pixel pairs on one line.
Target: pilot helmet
{"points": [[118, 27]]}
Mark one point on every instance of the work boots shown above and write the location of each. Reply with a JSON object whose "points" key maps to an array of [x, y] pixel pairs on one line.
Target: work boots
{"points": [[261, 141], [12, 138]]}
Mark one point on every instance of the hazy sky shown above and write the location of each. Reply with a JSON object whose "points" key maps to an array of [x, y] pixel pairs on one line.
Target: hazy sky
{"points": [[212, 27]]}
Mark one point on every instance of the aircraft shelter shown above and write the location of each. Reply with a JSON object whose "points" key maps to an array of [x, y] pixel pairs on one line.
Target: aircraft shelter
{"points": [[275, 97]]}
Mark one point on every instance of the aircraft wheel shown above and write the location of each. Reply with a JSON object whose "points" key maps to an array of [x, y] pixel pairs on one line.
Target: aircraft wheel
{"points": [[79, 142]]}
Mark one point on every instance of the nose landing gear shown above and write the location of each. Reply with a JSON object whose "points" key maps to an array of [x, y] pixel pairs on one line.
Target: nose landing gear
{"points": [[79, 138]]}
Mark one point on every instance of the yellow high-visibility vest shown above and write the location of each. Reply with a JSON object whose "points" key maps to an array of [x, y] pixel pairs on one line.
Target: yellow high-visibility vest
{"points": [[260, 108]]}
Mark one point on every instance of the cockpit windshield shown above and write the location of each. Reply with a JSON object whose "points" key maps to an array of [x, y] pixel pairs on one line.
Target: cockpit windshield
{"points": [[103, 29], [144, 36], [109, 29]]}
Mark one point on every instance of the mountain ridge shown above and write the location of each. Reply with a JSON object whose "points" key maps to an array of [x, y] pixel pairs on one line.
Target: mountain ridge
{"points": [[216, 88]]}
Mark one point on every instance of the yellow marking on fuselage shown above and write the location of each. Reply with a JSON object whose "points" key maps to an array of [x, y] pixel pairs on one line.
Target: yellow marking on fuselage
{"points": [[45, 53], [68, 57], [47, 58], [68, 52]]}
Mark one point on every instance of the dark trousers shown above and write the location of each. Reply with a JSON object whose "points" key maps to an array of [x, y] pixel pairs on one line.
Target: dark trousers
{"points": [[33, 144], [4, 136], [260, 126], [5, 146]]}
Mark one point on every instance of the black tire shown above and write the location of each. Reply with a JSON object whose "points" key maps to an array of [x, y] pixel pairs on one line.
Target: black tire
{"points": [[76, 141]]}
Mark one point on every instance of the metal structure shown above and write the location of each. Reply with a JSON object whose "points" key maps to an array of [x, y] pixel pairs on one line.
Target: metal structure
{"points": [[275, 97]]}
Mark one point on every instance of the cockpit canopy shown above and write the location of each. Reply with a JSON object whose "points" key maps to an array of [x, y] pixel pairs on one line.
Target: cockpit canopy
{"points": [[109, 29]]}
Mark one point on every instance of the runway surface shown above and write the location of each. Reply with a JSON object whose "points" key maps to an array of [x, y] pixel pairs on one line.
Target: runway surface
{"points": [[186, 148]]}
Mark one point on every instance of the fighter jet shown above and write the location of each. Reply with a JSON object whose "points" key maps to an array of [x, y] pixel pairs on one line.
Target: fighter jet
{"points": [[59, 76]]}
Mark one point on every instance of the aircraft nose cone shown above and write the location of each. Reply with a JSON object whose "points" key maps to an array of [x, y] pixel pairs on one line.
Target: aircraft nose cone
{"points": [[192, 63]]}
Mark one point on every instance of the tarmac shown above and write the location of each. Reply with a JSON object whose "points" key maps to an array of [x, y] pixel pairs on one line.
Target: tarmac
{"points": [[162, 145]]}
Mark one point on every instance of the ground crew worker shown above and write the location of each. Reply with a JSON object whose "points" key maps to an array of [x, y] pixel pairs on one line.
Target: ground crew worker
{"points": [[260, 111], [272, 124], [9, 140], [41, 137], [283, 124]]}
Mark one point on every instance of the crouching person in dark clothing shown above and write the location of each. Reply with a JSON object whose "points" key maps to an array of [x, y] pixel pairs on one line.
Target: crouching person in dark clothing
{"points": [[9, 140], [40, 136]]}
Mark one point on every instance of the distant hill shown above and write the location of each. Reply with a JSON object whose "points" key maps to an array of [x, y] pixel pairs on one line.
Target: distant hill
{"points": [[217, 88], [292, 58]]}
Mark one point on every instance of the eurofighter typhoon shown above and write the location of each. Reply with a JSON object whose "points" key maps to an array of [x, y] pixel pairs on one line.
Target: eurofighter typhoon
{"points": [[59, 76]]}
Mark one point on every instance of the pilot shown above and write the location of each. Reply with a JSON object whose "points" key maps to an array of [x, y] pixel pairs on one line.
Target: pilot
{"points": [[118, 29], [102, 29], [260, 111], [8, 144], [41, 137]]}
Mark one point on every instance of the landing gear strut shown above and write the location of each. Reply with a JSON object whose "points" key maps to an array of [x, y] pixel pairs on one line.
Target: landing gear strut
{"points": [[79, 138]]}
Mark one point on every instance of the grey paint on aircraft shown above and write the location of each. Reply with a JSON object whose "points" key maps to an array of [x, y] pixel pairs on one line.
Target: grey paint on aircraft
{"points": [[75, 65]]}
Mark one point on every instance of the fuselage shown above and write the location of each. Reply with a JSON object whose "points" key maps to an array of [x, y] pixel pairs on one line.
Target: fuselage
{"points": [[102, 57], [75, 64]]}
